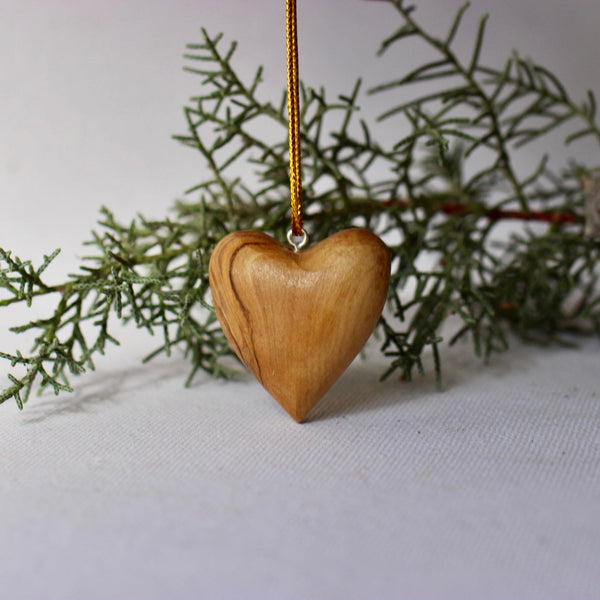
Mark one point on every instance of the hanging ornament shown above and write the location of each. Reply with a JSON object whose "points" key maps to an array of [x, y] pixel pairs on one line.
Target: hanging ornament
{"points": [[297, 318]]}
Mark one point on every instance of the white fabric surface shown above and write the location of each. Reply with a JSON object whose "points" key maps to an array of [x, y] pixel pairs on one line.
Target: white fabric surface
{"points": [[137, 488]]}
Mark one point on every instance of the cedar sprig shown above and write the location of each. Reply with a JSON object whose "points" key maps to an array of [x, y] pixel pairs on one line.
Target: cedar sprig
{"points": [[436, 195]]}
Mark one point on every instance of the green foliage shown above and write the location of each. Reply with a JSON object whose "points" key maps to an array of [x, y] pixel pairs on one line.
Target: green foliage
{"points": [[436, 195]]}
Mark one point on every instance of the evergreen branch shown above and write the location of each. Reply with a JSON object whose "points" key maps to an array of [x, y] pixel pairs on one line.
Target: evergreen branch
{"points": [[437, 211]]}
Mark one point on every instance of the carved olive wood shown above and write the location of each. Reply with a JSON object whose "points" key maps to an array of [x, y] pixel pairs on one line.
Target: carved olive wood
{"points": [[298, 319]]}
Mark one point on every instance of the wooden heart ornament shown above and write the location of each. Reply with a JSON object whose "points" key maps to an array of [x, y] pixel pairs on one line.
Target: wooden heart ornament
{"points": [[298, 319]]}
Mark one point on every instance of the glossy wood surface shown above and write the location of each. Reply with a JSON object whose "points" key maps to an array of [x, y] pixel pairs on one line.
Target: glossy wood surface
{"points": [[298, 319]]}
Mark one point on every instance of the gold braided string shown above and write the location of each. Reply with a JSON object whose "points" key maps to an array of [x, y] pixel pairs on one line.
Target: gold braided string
{"points": [[294, 119]]}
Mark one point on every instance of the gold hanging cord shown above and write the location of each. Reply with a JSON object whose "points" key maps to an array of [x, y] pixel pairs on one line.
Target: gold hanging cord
{"points": [[294, 120]]}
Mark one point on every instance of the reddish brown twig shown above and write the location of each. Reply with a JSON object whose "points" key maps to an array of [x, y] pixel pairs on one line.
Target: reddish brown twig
{"points": [[495, 214]]}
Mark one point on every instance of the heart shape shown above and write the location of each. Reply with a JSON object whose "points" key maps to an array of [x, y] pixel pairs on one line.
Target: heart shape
{"points": [[298, 319]]}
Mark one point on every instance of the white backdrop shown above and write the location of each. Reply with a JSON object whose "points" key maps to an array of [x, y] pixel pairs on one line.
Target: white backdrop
{"points": [[136, 488], [92, 91]]}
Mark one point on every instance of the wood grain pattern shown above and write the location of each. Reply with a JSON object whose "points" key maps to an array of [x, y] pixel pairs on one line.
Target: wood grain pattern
{"points": [[298, 319]]}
